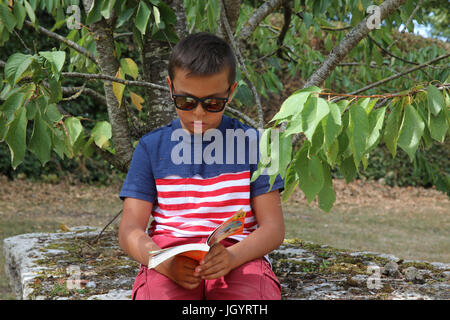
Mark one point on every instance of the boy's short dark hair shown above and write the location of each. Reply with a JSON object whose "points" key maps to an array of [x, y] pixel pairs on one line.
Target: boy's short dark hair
{"points": [[203, 54]]}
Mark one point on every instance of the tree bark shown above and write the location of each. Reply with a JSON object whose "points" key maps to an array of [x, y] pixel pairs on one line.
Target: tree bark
{"points": [[232, 11], [260, 14], [104, 43], [338, 53], [155, 58]]}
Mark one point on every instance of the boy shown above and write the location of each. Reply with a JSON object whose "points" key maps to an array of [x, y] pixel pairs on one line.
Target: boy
{"points": [[188, 197]]}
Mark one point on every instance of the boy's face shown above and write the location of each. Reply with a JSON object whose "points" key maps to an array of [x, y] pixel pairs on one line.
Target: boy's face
{"points": [[215, 85]]}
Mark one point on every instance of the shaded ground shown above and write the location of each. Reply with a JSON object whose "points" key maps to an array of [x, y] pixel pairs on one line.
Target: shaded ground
{"points": [[412, 223]]}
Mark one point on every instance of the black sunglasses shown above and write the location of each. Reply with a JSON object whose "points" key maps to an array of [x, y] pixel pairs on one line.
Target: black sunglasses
{"points": [[210, 104]]}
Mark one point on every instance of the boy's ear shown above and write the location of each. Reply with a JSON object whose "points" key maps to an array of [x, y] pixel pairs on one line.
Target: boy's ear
{"points": [[169, 82], [232, 89]]}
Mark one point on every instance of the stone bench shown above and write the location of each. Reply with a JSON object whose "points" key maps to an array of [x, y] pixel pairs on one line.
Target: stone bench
{"points": [[44, 265]]}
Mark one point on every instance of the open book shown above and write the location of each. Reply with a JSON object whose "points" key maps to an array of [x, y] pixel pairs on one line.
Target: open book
{"points": [[197, 251]]}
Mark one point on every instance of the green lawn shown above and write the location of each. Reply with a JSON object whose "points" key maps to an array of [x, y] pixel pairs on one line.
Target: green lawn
{"points": [[406, 234]]}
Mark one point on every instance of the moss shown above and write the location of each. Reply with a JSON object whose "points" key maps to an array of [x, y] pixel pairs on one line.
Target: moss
{"points": [[419, 265], [104, 258]]}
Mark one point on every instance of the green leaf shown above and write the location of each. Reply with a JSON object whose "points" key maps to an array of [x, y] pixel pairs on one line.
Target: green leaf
{"points": [[55, 90], [142, 17], [40, 143], [377, 57], [260, 168], [317, 140], [107, 8], [326, 196], [333, 124], [310, 173], [124, 17], [16, 137], [264, 149], [74, 129], [348, 169], [332, 152], [295, 125], [19, 13], [393, 126], [307, 19], [435, 100], [290, 182], [52, 113], [32, 108], [411, 131], [314, 111], [212, 11], [157, 16], [11, 105], [3, 127], [438, 126], [293, 105], [17, 66], [95, 14], [129, 67], [56, 58], [359, 131], [58, 143], [376, 120], [30, 11], [101, 133], [7, 18], [285, 144]]}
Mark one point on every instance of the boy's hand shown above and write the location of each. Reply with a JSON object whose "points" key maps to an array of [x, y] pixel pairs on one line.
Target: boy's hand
{"points": [[180, 270], [217, 263]]}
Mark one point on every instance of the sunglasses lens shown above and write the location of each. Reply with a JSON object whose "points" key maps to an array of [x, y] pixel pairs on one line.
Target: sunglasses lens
{"points": [[214, 105], [186, 103]]}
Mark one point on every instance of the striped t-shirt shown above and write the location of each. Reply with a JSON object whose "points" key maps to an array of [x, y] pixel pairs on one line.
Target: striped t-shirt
{"points": [[196, 182]]}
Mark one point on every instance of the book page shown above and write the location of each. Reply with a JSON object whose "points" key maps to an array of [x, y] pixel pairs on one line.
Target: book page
{"points": [[233, 225]]}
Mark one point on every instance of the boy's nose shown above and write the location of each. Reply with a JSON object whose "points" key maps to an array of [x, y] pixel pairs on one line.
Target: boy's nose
{"points": [[198, 110]]}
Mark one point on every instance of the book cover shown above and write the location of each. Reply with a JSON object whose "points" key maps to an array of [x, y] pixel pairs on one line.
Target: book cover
{"points": [[197, 251]]}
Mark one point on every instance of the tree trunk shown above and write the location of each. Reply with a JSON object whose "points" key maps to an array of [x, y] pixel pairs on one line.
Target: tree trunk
{"points": [[104, 43], [155, 58], [232, 11]]}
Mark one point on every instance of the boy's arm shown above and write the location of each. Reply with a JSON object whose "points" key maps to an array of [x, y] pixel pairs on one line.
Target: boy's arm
{"points": [[134, 240], [268, 236]]}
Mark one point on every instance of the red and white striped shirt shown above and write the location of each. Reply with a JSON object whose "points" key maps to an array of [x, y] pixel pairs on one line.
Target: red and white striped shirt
{"points": [[192, 199], [194, 207]]}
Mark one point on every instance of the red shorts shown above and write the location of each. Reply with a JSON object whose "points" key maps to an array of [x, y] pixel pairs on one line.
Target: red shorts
{"points": [[253, 280]]}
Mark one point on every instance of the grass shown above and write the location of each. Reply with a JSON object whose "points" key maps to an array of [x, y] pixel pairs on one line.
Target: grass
{"points": [[406, 234], [411, 223]]}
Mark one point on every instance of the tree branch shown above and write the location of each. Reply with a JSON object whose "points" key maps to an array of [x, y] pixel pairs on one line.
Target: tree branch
{"points": [[92, 76], [406, 24], [260, 14], [232, 10], [390, 53], [287, 21], [338, 53], [243, 116], [64, 40], [398, 75], [242, 63], [98, 98]]}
